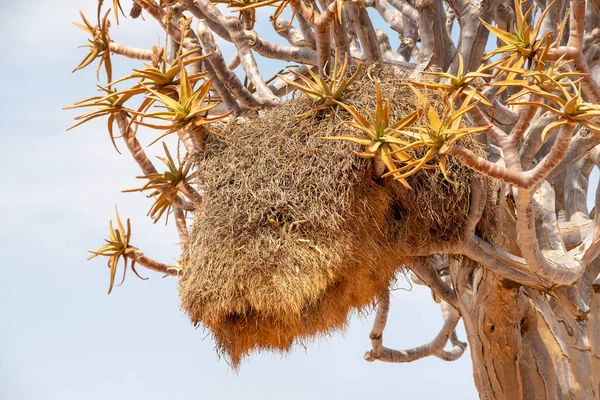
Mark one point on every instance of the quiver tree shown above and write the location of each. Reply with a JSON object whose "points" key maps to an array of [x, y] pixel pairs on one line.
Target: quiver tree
{"points": [[462, 157]]}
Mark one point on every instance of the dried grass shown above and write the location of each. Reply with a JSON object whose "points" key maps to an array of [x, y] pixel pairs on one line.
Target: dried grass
{"points": [[294, 234]]}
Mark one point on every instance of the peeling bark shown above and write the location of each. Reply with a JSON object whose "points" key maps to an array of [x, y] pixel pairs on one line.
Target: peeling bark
{"points": [[525, 346]]}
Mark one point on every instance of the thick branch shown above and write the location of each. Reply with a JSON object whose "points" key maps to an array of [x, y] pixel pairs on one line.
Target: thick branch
{"points": [[304, 55], [574, 50], [583, 141], [479, 186], [406, 10], [225, 75], [513, 174], [433, 348], [182, 228], [134, 146], [294, 36], [138, 257], [430, 277], [131, 52], [204, 8]]}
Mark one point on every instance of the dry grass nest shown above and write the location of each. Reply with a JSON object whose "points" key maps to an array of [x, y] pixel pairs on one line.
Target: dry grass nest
{"points": [[293, 234]]}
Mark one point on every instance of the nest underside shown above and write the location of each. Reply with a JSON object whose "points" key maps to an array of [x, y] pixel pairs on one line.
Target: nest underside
{"points": [[294, 234]]}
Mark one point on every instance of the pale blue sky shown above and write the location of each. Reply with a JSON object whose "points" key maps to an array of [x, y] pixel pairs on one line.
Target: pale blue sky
{"points": [[61, 336]]}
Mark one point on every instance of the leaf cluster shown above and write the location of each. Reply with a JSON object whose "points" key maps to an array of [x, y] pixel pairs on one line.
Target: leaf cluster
{"points": [[110, 104], [381, 138], [462, 82], [188, 111], [522, 44], [117, 246], [394, 143], [165, 186], [99, 44], [568, 105], [437, 134], [325, 90]]}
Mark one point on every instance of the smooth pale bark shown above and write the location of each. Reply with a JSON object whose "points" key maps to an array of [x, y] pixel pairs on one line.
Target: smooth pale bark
{"points": [[131, 52], [140, 258]]}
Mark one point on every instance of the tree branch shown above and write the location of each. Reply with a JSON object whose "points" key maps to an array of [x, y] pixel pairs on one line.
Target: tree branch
{"points": [[430, 277], [204, 8], [433, 348], [138, 257], [573, 50], [227, 77], [131, 52], [304, 55]]}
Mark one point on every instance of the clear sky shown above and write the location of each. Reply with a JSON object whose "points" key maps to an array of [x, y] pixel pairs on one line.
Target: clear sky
{"points": [[61, 336]]}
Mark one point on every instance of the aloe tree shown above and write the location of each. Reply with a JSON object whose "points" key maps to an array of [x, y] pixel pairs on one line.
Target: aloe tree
{"points": [[524, 76]]}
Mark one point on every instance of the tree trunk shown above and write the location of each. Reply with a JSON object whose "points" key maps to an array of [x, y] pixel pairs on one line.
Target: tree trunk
{"points": [[524, 343]]}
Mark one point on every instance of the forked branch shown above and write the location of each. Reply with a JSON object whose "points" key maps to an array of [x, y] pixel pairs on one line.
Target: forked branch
{"points": [[433, 348]]}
